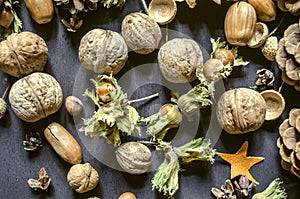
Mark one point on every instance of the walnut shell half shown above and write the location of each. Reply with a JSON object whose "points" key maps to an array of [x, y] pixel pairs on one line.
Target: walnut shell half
{"points": [[35, 96], [241, 111], [23, 53], [82, 177]]}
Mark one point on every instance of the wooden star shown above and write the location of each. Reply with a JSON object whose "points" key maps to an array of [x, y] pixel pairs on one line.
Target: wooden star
{"points": [[240, 163]]}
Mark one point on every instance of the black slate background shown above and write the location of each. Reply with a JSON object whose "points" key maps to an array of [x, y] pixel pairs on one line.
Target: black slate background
{"points": [[200, 23]]}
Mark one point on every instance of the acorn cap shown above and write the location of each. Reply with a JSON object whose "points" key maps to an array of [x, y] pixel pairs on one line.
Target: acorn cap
{"points": [[259, 37], [162, 11], [275, 104]]}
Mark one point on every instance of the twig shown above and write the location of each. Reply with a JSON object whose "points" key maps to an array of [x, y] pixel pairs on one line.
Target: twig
{"points": [[167, 33], [145, 6], [280, 88], [276, 28], [5, 92], [144, 98]]}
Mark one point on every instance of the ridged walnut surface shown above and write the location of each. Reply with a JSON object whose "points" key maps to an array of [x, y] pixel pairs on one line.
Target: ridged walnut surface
{"points": [[35, 96], [141, 33], [103, 51], [178, 60], [241, 111], [23, 53]]}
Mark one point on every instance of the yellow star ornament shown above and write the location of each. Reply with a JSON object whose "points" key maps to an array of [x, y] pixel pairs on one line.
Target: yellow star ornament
{"points": [[240, 163]]}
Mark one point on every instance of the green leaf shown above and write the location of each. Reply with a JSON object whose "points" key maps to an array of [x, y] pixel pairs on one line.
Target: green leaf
{"points": [[109, 3], [165, 179], [111, 117], [198, 149]]}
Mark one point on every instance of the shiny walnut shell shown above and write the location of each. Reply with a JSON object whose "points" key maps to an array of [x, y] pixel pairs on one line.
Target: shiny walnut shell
{"points": [[134, 157], [103, 51], [82, 177], [35, 96], [23, 53], [241, 110], [178, 60], [41, 11], [141, 33], [239, 24]]}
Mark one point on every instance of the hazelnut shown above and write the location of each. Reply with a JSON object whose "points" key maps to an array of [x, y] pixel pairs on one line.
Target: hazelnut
{"points": [[127, 195], [73, 105]]}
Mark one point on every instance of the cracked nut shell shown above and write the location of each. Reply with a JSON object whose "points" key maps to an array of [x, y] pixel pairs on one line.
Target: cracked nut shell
{"points": [[63, 143], [241, 110], [23, 53], [35, 97]]}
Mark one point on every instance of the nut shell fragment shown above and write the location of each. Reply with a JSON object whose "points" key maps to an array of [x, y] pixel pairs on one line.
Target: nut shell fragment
{"points": [[162, 11], [275, 104], [259, 36]]}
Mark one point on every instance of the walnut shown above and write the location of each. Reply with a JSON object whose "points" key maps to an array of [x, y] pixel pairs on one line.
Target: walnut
{"points": [[103, 51], [23, 53], [141, 33], [82, 177], [178, 60], [241, 111], [134, 157], [35, 96]]}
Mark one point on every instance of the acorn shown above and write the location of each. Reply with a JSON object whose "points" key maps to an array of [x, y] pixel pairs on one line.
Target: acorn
{"points": [[41, 11], [239, 23], [265, 10]]}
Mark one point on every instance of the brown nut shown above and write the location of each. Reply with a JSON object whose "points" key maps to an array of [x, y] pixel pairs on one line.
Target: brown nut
{"points": [[134, 157], [41, 11], [241, 110], [127, 195], [63, 143], [239, 23], [23, 53], [265, 10], [82, 177], [73, 105]]}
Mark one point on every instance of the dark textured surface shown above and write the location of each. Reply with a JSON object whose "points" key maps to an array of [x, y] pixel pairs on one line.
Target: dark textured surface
{"points": [[200, 23]]}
